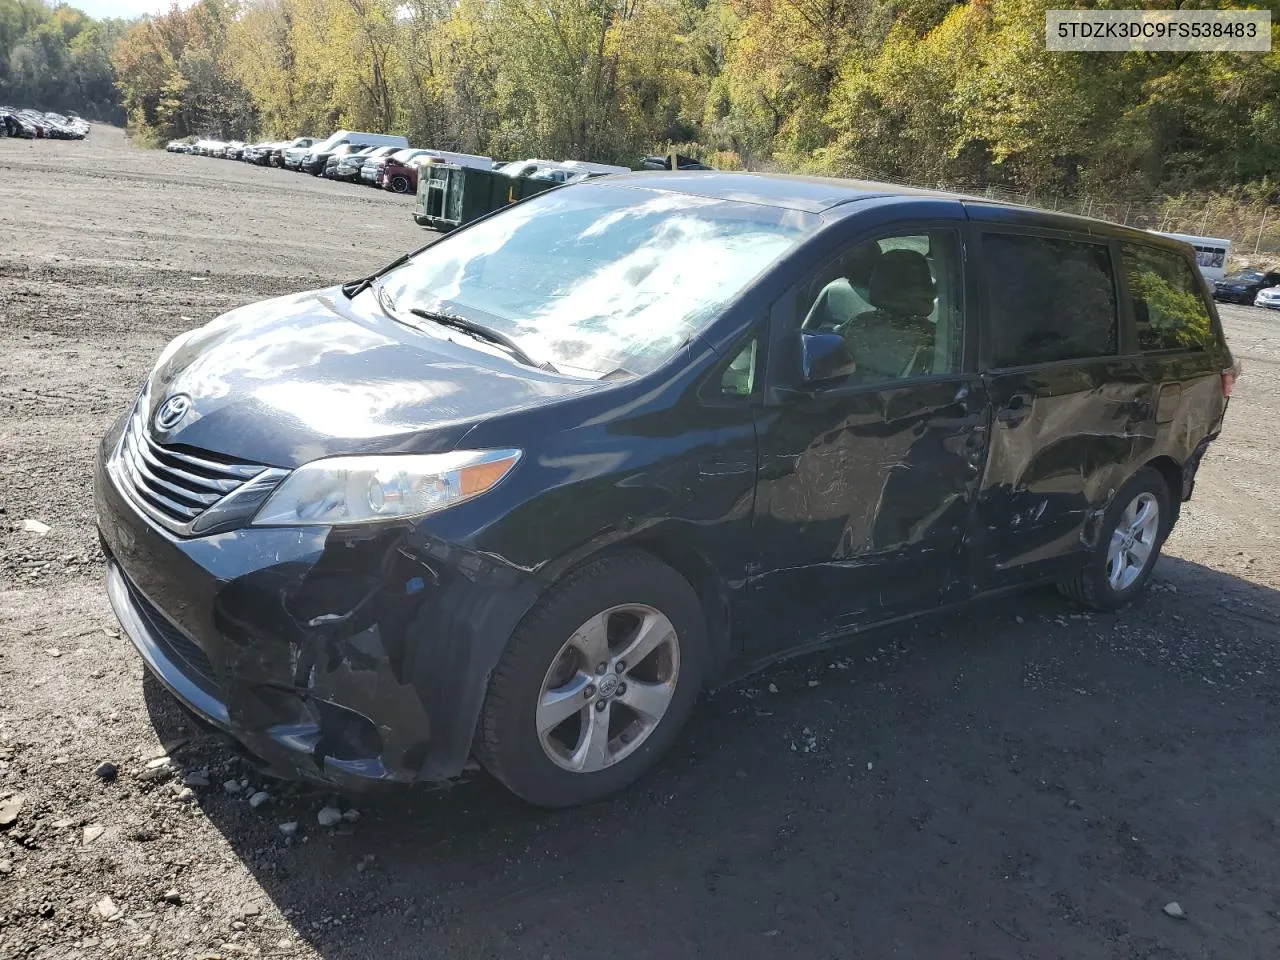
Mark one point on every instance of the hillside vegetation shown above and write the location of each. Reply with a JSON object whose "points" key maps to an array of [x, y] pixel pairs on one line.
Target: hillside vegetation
{"points": [[926, 91]]}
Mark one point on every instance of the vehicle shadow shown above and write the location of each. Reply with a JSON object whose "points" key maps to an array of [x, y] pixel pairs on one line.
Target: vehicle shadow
{"points": [[1018, 779]]}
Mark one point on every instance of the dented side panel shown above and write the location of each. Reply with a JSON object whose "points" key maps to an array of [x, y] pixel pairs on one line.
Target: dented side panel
{"points": [[1064, 437], [862, 503]]}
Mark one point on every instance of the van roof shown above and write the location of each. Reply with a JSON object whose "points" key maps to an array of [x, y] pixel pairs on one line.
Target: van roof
{"points": [[1192, 238], [820, 194], [810, 194]]}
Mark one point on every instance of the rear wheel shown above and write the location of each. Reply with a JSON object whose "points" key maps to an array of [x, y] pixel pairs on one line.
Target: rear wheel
{"points": [[1133, 531], [596, 682]]}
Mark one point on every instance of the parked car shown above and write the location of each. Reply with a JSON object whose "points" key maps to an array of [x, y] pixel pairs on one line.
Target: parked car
{"points": [[276, 157], [15, 124], [355, 138], [1268, 297], [371, 171], [579, 459], [315, 161], [1243, 286], [59, 127], [356, 154], [291, 158], [402, 176], [36, 122], [661, 162], [254, 152], [541, 170], [559, 171], [348, 167]]}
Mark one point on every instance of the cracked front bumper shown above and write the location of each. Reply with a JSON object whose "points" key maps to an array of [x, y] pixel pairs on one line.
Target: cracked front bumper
{"points": [[343, 658]]}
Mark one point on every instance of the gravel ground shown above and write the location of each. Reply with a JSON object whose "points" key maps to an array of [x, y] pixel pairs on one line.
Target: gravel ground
{"points": [[1021, 780]]}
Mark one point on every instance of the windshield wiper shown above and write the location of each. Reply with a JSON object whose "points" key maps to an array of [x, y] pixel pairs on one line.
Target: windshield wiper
{"points": [[481, 332]]}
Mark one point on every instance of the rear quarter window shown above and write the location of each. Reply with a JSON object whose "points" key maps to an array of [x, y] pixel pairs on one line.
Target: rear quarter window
{"points": [[1169, 310], [1049, 299]]}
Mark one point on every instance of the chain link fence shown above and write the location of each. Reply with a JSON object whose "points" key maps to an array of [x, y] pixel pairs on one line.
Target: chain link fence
{"points": [[1252, 227]]}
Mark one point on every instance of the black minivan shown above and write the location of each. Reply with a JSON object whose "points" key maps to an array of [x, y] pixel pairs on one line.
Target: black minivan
{"points": [[522, 494]]}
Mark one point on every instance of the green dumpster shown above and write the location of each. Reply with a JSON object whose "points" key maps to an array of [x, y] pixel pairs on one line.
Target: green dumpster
{"points": [[449, 196]]}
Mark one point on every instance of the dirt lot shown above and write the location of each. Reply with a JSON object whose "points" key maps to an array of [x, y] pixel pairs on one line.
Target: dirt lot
{"points": [[1020, 781]]}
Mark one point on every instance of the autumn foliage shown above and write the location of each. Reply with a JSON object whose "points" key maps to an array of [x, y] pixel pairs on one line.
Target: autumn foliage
{"points": [[927, 91]]}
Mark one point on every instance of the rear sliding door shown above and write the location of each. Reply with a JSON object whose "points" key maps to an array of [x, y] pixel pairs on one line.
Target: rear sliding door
{"points": [[1073, 408]]}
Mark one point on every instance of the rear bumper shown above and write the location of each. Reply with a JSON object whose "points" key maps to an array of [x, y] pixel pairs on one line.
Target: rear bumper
{"points": [[341, 659]]}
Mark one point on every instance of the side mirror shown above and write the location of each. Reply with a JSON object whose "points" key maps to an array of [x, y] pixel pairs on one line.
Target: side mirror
{"points": [[823, 356]]}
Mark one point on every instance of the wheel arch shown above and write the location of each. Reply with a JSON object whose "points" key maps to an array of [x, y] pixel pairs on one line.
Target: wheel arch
{"points": [[699, 572], [669, 544]]}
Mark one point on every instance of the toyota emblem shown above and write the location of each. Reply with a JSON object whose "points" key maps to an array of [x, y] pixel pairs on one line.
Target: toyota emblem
{"points": [[172, 411]]}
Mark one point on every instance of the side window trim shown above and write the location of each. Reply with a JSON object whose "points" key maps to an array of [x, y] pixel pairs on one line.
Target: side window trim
{"points": [[981, 229], [1128, 339], [711, 391]]}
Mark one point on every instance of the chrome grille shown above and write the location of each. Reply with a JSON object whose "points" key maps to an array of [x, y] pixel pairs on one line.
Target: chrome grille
{"points": [[173, 487]]}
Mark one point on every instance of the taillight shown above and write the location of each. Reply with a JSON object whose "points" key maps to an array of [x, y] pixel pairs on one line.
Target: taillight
{"points": [[1229, 376]]}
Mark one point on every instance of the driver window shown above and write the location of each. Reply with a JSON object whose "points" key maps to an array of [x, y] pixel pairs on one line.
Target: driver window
{"points": [[898, 303]]}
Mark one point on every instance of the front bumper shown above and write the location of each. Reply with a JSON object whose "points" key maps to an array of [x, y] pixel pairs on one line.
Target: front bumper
{"points": [[347, 660], [1267, 304]]}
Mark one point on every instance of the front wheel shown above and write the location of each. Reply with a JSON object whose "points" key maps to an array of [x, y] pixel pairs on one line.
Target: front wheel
{"points": [[400, 184], [1134, 528], [596, 682]]}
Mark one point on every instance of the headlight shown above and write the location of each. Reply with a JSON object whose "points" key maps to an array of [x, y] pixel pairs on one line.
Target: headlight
{"points": [[344, 490]]}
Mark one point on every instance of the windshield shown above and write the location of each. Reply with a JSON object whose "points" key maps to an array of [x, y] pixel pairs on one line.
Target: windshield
{"points": [[1246, 276], [599, 278]]}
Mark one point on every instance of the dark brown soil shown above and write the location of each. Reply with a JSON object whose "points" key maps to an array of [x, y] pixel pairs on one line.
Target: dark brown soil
{"points": [[1021, 780]]}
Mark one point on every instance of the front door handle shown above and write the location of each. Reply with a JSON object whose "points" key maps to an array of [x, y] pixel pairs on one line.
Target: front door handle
{"points": [[1017, 409]]}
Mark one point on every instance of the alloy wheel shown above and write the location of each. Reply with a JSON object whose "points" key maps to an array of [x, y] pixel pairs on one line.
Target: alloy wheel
{"points": [[608, 688], [1133, 542]]}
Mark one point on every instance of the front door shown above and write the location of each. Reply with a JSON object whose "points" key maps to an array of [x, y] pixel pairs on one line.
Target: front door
{"points": [[867, 478]]}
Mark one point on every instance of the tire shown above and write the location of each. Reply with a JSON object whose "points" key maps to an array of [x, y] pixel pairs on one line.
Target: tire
{"points": [[400, 184], [1111, 576], [547, 665]]}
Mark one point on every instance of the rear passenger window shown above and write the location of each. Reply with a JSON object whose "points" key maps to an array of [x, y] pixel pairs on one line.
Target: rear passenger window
{"points": [[1048, 299], [1168, 308]]}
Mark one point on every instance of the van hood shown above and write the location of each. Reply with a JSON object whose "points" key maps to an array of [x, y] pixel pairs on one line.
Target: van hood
{"points": [[313, 375]]}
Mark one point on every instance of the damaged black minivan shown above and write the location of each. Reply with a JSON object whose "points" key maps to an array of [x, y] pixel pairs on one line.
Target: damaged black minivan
{"points": [[522, 494]]}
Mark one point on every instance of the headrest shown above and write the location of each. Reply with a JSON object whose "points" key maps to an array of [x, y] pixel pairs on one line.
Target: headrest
{"points": [[901, 284], [858, 266]]}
